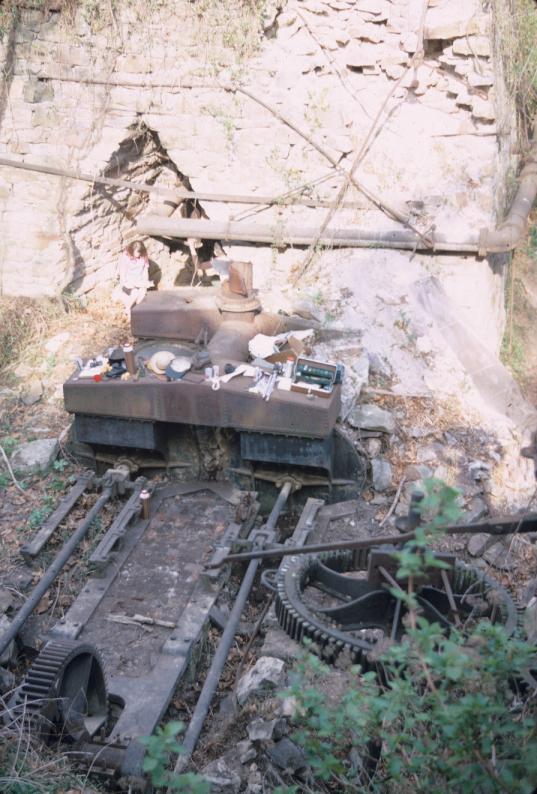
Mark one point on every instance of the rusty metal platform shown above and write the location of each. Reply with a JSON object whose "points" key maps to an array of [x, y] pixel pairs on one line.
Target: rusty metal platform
{"points": [[156, 572], [191, 401]]}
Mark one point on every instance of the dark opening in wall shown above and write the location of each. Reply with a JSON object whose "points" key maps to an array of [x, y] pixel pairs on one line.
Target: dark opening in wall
{"points": [[106, 221]]}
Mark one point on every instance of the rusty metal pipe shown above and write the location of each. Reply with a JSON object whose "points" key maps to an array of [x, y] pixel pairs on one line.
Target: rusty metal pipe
{"points": [[510, 233], [230, 342], [502, 239], [225, 231]]}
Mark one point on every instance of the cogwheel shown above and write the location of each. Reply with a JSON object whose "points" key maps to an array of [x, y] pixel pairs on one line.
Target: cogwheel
{"points": [[331, 600], [64, 694]]}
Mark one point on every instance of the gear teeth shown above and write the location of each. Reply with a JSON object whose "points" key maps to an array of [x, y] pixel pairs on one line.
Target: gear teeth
{"points": [[39, 689], [302, 622]]}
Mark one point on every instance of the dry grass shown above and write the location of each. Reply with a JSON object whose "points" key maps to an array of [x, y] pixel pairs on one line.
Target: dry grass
{"points": [[24, 322], [516, 28], [26, 767]]}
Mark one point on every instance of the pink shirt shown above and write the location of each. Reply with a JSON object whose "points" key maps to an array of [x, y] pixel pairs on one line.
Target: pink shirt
{"points": [[133, 272]]}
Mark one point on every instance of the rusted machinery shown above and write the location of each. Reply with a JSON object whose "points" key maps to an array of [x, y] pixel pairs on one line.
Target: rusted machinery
{"points": [[109, 667], [206, 432]]}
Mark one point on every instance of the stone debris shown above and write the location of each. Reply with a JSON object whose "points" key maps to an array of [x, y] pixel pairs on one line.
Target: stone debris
{"points": [[266, 674], [32, 392], [451, 19], [286, 755], [246, 751], [55, 343], [222, 778], [278, 644], [472, 45], [370, 417], [500, 557], [476, 510], [381, 474], [34, 457], [477, 544], [261, 730]]}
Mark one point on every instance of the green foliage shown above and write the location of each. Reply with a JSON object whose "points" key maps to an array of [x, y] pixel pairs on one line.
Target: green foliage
{"points": [[531, 246], [448, 714], [160, 748], [8, 444]]}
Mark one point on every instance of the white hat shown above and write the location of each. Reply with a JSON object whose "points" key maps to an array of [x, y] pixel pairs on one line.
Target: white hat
{"points": [[177, 367], [159, 361]]}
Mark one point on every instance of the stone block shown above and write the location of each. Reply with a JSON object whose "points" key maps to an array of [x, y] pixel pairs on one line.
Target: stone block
{"points": [[266, 674], [472, 45], [370, 417], [35, 457], [381, 474], [36, 90], [451, 19]]}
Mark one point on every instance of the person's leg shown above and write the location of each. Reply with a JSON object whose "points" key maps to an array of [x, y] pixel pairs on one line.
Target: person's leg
{"points": [[139, 295], [128, 302]]}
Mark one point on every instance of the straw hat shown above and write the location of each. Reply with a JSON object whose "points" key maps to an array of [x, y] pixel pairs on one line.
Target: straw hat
{"points": [[159, 361]]}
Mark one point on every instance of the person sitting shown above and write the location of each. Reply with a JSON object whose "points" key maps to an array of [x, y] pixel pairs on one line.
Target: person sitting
{"points": [[133, 275]]}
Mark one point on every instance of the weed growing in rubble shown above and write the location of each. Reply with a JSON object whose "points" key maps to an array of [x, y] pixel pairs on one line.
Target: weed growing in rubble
{"points": [[449, 715], [160, 748]]}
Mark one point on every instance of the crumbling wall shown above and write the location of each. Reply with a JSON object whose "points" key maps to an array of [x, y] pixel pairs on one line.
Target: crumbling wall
{"points": [[337, 70]]}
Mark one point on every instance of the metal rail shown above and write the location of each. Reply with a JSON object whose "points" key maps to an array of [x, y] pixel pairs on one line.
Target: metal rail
{"points": [[53, 570], [217, 665]]}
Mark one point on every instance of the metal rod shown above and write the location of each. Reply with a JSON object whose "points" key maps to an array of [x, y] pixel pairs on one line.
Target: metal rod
{"points": [[501, 526], [32, 549], [215, 671], [285, 551], [179, 194], [53, 570], [451, 599]]}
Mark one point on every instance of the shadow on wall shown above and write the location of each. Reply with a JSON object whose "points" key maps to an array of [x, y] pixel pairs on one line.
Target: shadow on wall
{"points": [[492, 380]]}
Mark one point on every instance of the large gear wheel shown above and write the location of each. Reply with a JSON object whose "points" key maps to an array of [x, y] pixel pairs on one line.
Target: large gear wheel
{"points": [[342, 601], [64, 695]]}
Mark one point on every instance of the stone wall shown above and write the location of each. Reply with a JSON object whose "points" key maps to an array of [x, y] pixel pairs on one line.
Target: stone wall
{"points": [[138, 95]]}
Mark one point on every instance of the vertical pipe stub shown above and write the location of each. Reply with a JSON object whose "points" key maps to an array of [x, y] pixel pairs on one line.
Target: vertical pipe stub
{"points": [[128, 352], [144, 503]]}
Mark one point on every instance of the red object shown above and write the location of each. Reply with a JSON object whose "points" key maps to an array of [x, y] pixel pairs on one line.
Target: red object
{"points": [[97, 378]]}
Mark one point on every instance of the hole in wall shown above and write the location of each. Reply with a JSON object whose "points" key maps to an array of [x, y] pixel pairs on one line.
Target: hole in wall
{"points": [[106, 220]]}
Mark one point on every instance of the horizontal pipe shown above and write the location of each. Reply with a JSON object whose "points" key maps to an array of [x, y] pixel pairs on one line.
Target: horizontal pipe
{"points": [[225, 231], [178, 194]]}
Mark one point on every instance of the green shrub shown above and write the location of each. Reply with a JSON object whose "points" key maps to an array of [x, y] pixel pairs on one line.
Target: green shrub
{"points": [[160, 747], [449, 715]]}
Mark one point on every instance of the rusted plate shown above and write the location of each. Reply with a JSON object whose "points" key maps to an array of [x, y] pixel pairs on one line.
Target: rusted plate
{"points": [[193, 403], [176, 314]]}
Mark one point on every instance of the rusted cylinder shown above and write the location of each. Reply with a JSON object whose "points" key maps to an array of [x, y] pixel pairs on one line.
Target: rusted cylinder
{"points": [[230, 342], [128, 352], [145, 497]]}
